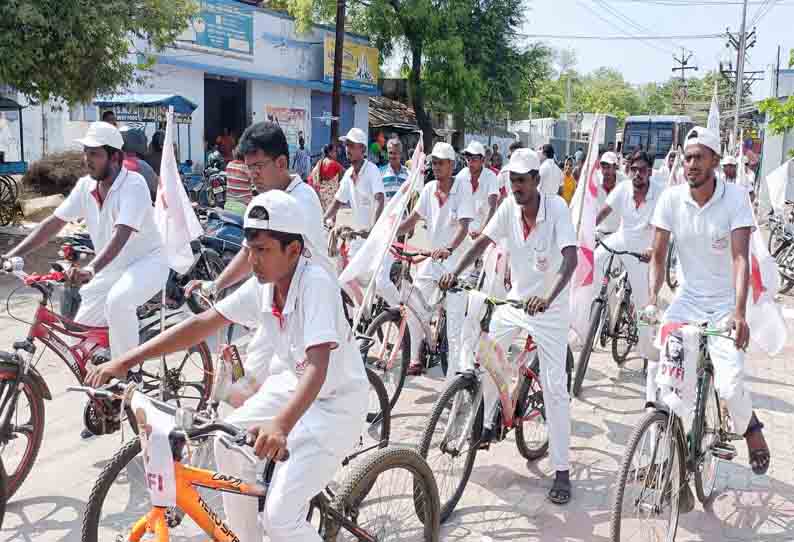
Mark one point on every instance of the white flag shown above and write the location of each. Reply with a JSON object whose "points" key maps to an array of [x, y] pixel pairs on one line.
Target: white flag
{"points": [[714, 113], [767, 327], [173, 212], [585, 209], [776, 183]]}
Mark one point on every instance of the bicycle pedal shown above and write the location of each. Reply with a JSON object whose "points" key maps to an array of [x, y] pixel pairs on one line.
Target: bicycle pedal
{"points": [[724, 451]]}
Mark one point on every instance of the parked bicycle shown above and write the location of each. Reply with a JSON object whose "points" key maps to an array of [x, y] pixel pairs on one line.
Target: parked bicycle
{"points": [[338, 514], [187, 377], [453, 434], [662, 456], [620, 327], [781, 246]]}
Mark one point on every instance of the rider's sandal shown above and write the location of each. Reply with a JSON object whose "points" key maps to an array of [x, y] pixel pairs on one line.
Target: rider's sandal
{"points": [[759, 457], [560, 492]]}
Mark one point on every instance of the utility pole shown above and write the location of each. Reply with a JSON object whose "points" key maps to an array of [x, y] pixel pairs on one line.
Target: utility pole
{"points": [[568, 114], [682, 65], [339, 48], [740, 79], [740, 71]]}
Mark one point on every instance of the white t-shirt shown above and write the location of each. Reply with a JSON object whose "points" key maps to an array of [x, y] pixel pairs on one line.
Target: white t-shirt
{"points": [[487, 186], [443, 221], [313, 218], [535, 260], [503, 180], [703, 238], [612, 222], [550, 177], [635, 223], [129, 203], [360, 195], [312, 315]]}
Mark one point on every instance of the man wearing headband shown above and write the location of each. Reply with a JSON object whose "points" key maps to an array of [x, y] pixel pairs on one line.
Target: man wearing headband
{"points": [[711, 221], [536, 230], [309, 395]]}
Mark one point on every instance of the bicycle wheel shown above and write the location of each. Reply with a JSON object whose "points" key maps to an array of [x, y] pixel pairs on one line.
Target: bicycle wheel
{"points": [[650, 480], [378, 429], [390, 496], [187, 379], [532, 434], [444, 444], [387, 357], [625, 336], [3, 492], [20, 446], [670, 270], [706, 434], [596, 314]]}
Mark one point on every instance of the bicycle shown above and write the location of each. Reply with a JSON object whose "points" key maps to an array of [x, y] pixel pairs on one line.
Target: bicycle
{"points": [[671, 266], [675, 456], [3, 492], [624, 326], [455, 427], [332, 511], [76, 345], [781, 247]]}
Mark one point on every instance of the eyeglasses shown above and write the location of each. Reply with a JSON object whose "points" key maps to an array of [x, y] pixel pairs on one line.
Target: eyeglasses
{"points": [[260, 166]]}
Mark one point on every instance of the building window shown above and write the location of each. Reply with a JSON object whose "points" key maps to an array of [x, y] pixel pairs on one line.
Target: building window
{"points": [[83, 112]]}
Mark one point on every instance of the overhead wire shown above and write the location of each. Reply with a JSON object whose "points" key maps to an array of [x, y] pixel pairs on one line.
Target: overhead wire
{"points": [[618, 27]]}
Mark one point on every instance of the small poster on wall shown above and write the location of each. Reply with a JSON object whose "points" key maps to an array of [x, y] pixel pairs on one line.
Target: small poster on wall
{"points": [[292, 122]]}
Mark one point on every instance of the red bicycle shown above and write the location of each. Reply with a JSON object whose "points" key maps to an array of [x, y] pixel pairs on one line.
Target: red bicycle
{"points": [[23, 389]]}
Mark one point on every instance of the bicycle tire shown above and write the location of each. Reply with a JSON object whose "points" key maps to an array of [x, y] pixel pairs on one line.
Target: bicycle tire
{"points": [[645, 423], [9, 371], [3, 492], [704, 487], [443, 347], [360, 482], [669, 277], [623, 319], [383, 416], [596, 313], [209, 268], [397, 374], [530, 384], [461, 383]]}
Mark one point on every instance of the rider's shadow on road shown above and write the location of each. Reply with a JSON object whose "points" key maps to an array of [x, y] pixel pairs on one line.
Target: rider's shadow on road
{"points": [[58, 519]]}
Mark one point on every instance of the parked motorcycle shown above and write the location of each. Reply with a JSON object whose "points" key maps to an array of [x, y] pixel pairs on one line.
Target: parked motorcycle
{"points": [[223, 233]]}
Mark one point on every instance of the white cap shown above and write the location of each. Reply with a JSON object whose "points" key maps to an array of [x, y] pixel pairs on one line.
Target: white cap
{"points": [[355, 135], [609, 158], [475, 148], [523, 161], [100, 134], [703, 136], [277, 211], [729, 160], [443, 151]]}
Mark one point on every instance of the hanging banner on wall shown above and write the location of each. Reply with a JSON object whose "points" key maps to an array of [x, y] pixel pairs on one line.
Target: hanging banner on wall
{"points": [[359, 64], [292, 122], [221, 27]]}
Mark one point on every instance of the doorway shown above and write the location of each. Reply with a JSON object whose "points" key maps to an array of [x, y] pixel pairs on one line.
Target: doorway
{"points": [[224, 107]]}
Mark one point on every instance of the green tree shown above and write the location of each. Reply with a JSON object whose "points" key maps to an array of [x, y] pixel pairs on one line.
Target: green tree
{"points": [[780, 113], [605, 91], [76, 49]]}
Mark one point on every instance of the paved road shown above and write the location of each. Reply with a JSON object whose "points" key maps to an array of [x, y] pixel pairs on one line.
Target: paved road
{"points": [[505, 499]]}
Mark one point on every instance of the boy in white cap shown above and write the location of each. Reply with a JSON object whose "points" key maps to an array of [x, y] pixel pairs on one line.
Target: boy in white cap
{"points": [[608, 178], [447, 207], [484, 187], [711, 221], [312, 397], [536, 230], [361, 187], [129, 267]]}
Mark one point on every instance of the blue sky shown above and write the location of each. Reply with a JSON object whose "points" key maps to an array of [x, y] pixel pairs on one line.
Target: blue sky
{"points": [[640, 62]]}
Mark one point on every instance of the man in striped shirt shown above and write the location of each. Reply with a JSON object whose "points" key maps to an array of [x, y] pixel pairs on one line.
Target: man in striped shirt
{"points": [[238, 185]]}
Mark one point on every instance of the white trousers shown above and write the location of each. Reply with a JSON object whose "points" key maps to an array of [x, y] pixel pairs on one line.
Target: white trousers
{"points": [[550, 332], [112, 299], [455, 305], [310, 467], [389, 292]]}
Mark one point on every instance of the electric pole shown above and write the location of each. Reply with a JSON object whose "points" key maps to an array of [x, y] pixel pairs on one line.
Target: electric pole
{"points": [[740, 71], [336, 93], [740, 79], [682, 65]]}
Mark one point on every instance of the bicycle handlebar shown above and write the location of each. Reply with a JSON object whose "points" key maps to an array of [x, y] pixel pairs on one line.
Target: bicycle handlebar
{"points": [[637, 255], [461, 286]]}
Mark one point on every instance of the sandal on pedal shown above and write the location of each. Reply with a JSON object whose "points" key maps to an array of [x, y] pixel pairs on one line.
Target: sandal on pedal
{"points": [[415, 369], [759, 457], [560, 492]]}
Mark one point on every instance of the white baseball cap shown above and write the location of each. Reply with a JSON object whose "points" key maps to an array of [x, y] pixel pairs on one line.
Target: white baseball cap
{"points": [[277, 211], [729, 160], [443, 151], [100, 134], [475, 148], [355, 135], [609, 158], [523, 161], [703, 136]]}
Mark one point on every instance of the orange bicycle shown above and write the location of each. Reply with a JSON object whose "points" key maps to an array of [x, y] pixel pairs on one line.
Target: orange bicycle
{"points": [[359, 510]]}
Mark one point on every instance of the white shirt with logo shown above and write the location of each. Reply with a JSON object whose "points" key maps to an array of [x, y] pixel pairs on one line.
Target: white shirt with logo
{"points": [[360, 194], [536, 259], [128, 203], [635, 223], [550, 177], [703, 238], [312, 315], [488, 185]]}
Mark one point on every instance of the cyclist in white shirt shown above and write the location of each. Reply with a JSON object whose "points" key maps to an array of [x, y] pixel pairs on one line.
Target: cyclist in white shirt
{"points": [[447, 207], [312, 401], [484, 187], [608, 178], [730, 168], [537, 232], [633, 203], [550, 174], [361, 187], [711, 221]]}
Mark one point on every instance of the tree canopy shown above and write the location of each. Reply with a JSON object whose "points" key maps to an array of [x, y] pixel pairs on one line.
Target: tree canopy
{"points": [[780, 113]]}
